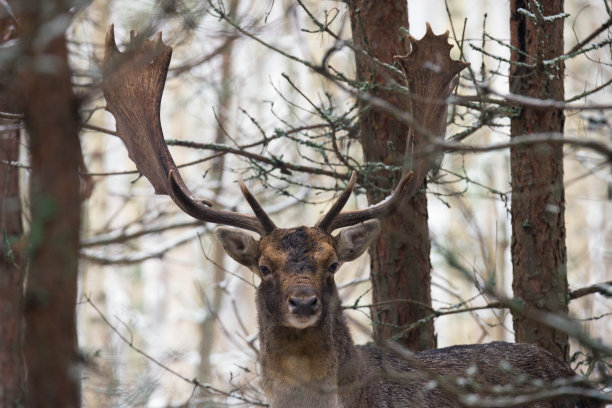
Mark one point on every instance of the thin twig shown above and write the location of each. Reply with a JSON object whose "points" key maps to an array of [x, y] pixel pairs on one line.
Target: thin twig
{"points": [[603, 288], [594, 34], [195, 381]]}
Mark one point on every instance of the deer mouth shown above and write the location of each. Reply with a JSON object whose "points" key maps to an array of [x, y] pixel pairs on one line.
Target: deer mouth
{"points": [[303, 308], [301, 321]]}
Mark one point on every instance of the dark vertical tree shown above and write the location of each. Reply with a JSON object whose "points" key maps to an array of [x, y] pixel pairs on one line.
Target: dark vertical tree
{"points": [[400, 266], [52, 122], [11, 272], [207, 328], [538, 205], [12, 373]]}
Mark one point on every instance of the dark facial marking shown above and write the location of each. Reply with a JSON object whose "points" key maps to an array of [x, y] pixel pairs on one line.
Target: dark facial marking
{"points": [[301, 249]]}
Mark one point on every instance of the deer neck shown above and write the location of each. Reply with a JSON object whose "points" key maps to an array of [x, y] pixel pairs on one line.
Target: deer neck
{"points": [[300, 367]]}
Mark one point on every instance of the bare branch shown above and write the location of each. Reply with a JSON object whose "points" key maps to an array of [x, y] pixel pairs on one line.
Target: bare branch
{"points": [[195, 382], [603, 288]]}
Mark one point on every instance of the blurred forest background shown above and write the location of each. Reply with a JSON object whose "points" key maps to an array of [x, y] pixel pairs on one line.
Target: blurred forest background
{"points": [[159, 303]]}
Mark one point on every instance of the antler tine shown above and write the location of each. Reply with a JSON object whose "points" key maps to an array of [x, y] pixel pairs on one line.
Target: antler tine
{"points": [[333, 212], [380, 210], [202, 210], [133, 83], [261, 215]]}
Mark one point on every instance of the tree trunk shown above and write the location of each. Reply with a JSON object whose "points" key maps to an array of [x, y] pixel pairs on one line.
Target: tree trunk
{"points": [[208, 326], [400, 267], [52, 121], [12, 372], [539, 257]]}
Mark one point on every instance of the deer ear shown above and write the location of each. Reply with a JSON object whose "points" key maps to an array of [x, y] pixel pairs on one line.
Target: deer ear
{"points": [[353, 241], [239, 245]]}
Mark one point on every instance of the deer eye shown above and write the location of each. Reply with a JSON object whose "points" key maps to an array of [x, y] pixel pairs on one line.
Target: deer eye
{"points": [[333, 267], [264, 270]]}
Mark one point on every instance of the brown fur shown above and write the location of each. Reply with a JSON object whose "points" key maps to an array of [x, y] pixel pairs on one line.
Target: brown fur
{"points": [[320, 367]]}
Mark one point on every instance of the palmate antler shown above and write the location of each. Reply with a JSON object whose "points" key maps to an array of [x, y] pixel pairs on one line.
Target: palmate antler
{"points": [[431, 76], [133, 83]]}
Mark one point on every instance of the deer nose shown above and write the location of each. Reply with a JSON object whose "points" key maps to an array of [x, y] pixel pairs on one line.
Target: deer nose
{"points": [[304, 302]]}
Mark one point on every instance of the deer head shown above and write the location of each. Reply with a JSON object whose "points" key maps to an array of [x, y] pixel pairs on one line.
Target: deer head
{"points": [[297, 265]]}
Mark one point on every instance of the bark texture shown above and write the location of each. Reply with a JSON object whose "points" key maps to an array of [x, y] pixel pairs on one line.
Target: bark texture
{"points": [[52, 122], [539, 256], [12, 373], [400, 267], [207, 328]]}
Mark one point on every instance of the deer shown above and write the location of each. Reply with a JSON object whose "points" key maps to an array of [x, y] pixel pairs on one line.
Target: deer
{"points": [[307, 356]]}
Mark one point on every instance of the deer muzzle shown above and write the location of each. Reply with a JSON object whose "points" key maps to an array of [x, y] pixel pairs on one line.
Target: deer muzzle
{"points": [[304, 307]]}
